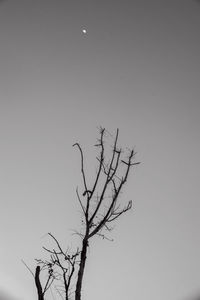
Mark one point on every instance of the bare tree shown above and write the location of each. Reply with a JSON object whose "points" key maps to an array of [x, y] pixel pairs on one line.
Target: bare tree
{"points": [[99, 202], [101, 207], [40, 290], [59, 267], [39, 286]]}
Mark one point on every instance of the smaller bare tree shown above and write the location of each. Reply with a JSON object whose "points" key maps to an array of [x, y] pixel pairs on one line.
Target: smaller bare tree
{"points": [[59, 267]]}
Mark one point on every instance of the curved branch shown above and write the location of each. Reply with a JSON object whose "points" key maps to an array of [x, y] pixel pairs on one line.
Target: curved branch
{"points": [[82, 165]]}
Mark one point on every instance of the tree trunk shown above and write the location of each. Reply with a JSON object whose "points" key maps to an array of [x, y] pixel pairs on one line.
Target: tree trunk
{"points": [[81, 269], [38, 284]]}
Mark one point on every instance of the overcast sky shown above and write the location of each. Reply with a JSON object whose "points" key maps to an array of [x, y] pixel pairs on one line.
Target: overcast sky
{"points": [[137, 68]]}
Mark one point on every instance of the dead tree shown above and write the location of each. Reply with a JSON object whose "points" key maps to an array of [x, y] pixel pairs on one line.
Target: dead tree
{"points": [[37, 278], [59, 268], [40, 291], [99, 201]]}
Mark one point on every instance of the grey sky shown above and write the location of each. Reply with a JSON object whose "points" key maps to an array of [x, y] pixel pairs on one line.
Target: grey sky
{"points": [[137, 68], [7, 296]]}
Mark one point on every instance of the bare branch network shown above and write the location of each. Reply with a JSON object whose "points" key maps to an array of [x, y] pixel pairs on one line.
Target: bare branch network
{"points": [[99, 202], [95, 219]]}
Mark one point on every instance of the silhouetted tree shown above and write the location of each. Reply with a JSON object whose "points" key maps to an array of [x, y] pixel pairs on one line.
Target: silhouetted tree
{"points": [[60, 267], [40, 292], [100, 208]]}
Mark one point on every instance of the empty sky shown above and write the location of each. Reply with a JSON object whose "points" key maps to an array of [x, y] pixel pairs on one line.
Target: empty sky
{"points": [[136, 68]]}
